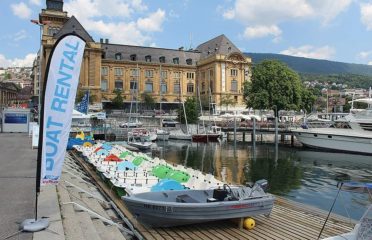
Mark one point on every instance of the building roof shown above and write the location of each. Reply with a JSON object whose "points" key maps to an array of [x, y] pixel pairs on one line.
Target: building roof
{"points": [[73, 25], [218, 45], [110, 51]]}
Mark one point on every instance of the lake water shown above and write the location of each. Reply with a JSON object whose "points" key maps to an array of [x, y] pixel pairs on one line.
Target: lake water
{"points": [[301, 175]]}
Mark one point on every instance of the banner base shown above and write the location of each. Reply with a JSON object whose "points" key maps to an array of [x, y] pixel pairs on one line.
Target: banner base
{"points": [[34, 225]]}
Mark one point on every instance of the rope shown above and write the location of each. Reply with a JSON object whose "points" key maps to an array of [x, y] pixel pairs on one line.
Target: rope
{"points": [[329, 213]]}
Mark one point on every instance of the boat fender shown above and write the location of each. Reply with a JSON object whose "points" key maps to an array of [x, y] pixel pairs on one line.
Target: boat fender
{"points": [[249, 223]]}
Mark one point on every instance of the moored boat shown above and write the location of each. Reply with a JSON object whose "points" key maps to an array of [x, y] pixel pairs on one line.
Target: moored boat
{"points": [[182, 207]]}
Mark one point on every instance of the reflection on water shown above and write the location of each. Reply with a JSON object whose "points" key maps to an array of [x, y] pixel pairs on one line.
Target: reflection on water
{"points": [[305, 176]]}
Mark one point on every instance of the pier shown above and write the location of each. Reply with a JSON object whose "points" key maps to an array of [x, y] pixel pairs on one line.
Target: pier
{"points": [[288, 220]]}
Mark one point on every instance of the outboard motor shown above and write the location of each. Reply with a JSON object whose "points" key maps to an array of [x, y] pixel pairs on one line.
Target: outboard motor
{"points": [[263, 183]]}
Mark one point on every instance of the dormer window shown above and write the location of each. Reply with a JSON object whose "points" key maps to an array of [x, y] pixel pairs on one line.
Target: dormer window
{"points": [[176, 60], [133, 57], [148, 58], [118, 56], [189, 61], [162, 59]]}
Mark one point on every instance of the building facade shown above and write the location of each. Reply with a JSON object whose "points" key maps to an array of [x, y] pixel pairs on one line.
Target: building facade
{"points": [[215, 69]]}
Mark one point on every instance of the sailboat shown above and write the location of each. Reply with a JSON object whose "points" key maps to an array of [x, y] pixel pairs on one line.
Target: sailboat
{"points": [[138, 137], [179, 134], [206, 136], [161, 133]]}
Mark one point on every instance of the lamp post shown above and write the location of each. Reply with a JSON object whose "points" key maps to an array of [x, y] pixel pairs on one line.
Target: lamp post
{"points": [[41, 25]]}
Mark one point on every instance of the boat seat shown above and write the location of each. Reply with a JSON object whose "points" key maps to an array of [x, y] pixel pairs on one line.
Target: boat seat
{"points": [[184, 198]]}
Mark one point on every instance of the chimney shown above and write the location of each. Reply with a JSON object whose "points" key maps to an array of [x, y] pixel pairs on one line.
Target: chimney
{"points": [[106, 41], [101, 40], [180, 48]]}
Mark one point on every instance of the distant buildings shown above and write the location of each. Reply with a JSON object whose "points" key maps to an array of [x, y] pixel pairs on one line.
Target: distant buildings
{"points": [[216, 68]]}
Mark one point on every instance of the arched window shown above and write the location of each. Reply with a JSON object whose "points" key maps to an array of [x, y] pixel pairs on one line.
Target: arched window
{"points": [[162, 59], [189, 61], [148, 58]]}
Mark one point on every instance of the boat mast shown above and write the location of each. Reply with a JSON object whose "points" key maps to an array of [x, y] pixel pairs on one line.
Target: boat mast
{"points": [[161, 98], [184, 110], [201, 109]]}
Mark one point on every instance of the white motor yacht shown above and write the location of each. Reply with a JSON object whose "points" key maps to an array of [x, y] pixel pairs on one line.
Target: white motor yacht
{"points": [[353, 133]]}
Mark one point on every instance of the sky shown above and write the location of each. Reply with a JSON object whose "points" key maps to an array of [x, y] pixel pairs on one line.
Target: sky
{"points": [[338, 30]]}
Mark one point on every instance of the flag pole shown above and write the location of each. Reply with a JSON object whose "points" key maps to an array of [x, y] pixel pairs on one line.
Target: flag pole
{"points": [[51, 169]]}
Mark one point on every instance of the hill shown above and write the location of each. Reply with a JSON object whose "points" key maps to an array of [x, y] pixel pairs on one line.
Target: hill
{"points": [[314, 66]]}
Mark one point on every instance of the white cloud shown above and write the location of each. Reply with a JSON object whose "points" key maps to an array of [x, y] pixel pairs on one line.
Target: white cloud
{"points": [[21, 10], [262, 31], [366, 15], [308, 51], [153, 22], [17, 62], [114, 19], [266, 14], [35, 2], [369, 63], [364, 54]]}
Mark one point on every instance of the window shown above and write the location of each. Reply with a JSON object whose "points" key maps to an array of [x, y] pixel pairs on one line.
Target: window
{"points": [[236, 99], [118, 71], [162, 59], [104, 71], [202, 75], [118, 56], [163, 74], [163, 87], [176, 87], [104, 85], [52, 31], [190, 75], [133, 57], [119, 84], [149, 73], [176, 74], [189, 61], [148, 58], [133, 85], [176, 60], [148, 87], [134, 72], [234, 85], [234, 72], [211, 72], [190, 88], [203, 86]]}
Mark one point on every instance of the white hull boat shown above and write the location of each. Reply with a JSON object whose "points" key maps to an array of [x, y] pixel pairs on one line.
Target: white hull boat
{"points": [[353, 133]]}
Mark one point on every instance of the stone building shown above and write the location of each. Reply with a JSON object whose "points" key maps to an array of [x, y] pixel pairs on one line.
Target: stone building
{"points": [[215, 68], [8, 94]]}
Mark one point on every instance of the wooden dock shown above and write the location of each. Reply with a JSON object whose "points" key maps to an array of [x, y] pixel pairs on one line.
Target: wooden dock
{"points": [[288, 220]]}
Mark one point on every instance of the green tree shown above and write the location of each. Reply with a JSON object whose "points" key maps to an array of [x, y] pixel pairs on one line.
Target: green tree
{"points": [[227, 100], [192, 111], [117, 101], [148, 100], [273, 84], [308, 99]]}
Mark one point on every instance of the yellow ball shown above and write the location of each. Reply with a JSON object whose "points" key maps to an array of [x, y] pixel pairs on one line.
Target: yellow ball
{"points": [[249, 223]]}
